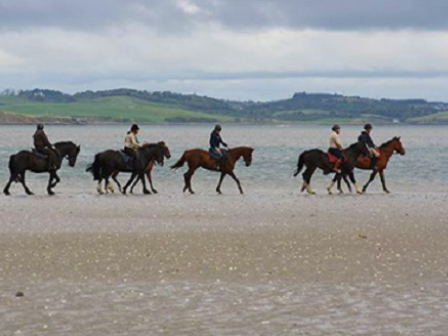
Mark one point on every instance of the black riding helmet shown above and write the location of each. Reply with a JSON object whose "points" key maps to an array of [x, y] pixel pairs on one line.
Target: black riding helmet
{"points": [[135, 127], [368, 127], [335, 127], [40, 126], [218, 127]]}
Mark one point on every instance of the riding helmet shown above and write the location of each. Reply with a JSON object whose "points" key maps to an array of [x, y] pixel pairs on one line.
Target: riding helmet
{"points": [[218, 127], [40, 126], [135, 127], [335, 127], [368, 127]]}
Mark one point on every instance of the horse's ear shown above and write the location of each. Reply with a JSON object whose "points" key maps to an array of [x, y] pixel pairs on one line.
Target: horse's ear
{"points": [[78, 148]]}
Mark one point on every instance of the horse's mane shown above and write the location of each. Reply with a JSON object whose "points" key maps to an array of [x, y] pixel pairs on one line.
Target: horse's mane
{"points": [[64, 143], [387, 143]]}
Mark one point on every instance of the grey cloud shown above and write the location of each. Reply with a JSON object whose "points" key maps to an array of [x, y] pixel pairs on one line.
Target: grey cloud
{"points": [[233, 14]]}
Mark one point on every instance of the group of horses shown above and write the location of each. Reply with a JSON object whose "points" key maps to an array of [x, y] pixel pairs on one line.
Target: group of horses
{"points": [[110, 163]]}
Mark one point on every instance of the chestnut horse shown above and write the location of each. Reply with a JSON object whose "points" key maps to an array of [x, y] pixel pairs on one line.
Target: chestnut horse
{"points": [[386, 150], [196, 158]]}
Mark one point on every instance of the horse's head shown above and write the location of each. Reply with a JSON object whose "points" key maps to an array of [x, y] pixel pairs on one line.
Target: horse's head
{"points": [[68, 150], [247, 155], [398, 146], [166, 150], [160, 153]]}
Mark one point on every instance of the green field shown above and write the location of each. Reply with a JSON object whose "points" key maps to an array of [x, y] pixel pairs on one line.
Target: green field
{"points": [[113, 109], [441, 117]]}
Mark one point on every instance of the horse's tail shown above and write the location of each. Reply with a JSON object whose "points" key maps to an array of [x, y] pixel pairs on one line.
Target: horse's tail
{"points": [[11, 164], [95, 168], [180, 162], [300, 164]]}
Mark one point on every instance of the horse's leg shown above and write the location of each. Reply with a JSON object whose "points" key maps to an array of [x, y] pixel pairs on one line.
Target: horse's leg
{"points": [[351, 175], [133, 175], [148, 175], [134, 184], [141, 177], [187, 178], [22, 180], [347, 183], [309, 171], [336, 178], [56, 177], [49, 186], [221, 178], [232, 175], [99, 188], [383, 182], [372, 177], [13, 178]]}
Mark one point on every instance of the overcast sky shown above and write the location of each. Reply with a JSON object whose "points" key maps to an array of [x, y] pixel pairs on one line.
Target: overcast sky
{"points": [[235, 49]]}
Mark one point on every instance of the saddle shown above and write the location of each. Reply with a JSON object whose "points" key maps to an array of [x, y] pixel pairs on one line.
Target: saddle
{"points": [[331, 158], [39, 155], [125, 157]]}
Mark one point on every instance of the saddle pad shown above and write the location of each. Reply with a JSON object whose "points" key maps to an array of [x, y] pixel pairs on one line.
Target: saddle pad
{"points": [[332, 158]]}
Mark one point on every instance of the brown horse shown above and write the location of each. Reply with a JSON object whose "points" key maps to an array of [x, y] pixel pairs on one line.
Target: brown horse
{"points": [[386, 150], [196, 158]]}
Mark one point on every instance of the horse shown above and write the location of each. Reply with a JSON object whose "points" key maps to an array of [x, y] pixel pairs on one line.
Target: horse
{"points": [[386, 150], [316, 158], [166, 154], [29, 160], [196, 158], [107, 163]]}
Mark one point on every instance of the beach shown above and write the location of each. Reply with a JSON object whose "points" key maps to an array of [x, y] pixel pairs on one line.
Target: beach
{"points": [[225, 265], [273, 261]]}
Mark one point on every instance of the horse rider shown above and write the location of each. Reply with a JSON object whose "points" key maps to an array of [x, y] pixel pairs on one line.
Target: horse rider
{"points": [[215, 142], [132, 144], [336, 147], [44, 147], [365, 138]]}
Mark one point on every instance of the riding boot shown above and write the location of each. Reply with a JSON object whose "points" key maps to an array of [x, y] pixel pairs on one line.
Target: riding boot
{"points": [[217, 166], [337, 165], [373, 161]]}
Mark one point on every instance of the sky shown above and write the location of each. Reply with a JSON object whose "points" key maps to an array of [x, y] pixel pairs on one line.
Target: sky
{"points": [[258, 50]]}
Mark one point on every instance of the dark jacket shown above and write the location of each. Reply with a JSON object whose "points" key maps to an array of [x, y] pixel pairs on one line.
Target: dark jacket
{"points": [[40, 139], [215, 140], [365, 138]]}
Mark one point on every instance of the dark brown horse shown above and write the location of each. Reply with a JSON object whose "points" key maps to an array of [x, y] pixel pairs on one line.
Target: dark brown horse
{"points": [[316, 158], [166, 153], [28, 160], [386, 150], [196, 158], [107, 162]]}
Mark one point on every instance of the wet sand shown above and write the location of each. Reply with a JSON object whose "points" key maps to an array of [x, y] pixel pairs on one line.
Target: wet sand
{"points": [[257, 264]]}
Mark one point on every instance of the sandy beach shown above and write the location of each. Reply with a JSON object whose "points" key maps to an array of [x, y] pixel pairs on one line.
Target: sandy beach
{"points": [[260, 264]]}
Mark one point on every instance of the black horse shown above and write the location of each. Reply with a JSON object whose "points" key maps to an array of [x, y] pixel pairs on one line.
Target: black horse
{"points": [[30, 160], [108, 162], [316, 158]]}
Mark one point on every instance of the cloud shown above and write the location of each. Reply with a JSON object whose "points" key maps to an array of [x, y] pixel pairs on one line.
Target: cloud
{"points": [[183, 15]]}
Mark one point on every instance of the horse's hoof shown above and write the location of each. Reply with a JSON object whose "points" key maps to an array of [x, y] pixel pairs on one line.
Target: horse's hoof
{"points": [[6, 193], [154, 191], [387, 191], [146, 192]]}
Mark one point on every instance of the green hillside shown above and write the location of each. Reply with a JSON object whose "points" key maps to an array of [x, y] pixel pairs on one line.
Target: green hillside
{"points": [[112, 109], [440, 117]]}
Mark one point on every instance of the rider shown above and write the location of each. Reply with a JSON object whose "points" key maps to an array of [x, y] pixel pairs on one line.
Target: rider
{"points": [[43, 146], [367, 140], [336, 147], [131, 143], [215, 142]]}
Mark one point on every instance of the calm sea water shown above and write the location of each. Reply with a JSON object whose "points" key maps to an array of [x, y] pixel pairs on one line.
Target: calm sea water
{"points": [[276, 152]]}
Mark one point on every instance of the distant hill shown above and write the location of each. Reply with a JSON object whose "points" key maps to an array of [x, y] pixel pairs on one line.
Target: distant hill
{"points": [[127, 105]]}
